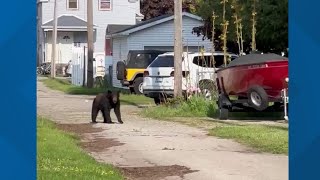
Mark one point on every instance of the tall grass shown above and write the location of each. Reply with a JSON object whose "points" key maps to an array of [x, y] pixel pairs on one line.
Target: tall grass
{"points": [[194, 107]]}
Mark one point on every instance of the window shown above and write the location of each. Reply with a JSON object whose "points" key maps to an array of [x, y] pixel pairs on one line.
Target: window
{"points": [[163, 61], [206, 61], [72, 4], [140, 60], [104, 5]]}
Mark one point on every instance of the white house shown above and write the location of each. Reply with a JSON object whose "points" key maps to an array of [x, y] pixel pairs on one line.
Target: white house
{"points": [[72, 24], [156, 34]]}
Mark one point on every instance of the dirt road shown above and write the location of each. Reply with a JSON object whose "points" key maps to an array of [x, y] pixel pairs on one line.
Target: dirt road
{"points": [[151, 149]]}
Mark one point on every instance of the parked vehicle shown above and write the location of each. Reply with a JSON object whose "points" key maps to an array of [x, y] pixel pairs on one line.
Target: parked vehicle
{"points": [[198, 72], [44, 68], [130, 71], [252, 81]]}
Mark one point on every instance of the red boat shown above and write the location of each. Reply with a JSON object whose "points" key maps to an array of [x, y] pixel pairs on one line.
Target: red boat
{"points": [[254, 80]]}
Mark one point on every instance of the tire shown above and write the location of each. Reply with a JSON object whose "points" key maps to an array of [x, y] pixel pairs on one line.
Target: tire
{"points": [[258, 98], [223, 113], [137, 85], [121, 67]]}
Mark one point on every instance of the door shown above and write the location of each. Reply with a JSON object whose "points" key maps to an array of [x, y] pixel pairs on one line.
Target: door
{"points": [[65, 43]]}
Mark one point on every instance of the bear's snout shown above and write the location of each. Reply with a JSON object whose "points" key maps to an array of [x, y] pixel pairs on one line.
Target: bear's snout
{"points": [[114, 100]]}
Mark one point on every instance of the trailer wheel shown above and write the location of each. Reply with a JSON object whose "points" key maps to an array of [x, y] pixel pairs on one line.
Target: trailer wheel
{"points": [[223, 113], [258, 98], [121, 67]]}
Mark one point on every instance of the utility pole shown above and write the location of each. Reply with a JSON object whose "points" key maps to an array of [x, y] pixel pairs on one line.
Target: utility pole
{"points": [[178, 48], [90, 43], [54, 41]]}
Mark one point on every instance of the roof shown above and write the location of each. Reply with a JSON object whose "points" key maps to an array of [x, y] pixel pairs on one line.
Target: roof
{"points": [[67, 21], [151, 22], [112, 28], [256, 58]]}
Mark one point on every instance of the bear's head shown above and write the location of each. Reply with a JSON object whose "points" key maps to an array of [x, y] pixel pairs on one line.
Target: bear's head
{"points": [[114, 96]]}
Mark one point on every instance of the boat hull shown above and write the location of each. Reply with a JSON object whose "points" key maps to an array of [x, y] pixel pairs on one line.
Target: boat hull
{"points": [[237, 80]]}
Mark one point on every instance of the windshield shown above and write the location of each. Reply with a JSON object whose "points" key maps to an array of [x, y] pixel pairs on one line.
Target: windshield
{"points": [[206, 61], [163, 61], [140, 60]]}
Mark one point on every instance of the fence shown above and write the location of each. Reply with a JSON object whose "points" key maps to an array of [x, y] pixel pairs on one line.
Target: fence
{"points": [[80, 66]]}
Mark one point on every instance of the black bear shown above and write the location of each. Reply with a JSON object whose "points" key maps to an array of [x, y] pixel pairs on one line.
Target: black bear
{"points": [[104, 102]]}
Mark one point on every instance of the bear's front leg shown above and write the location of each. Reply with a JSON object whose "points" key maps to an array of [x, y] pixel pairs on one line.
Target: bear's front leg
{"points": [[106, 116], [94, 111], [118, 114]]}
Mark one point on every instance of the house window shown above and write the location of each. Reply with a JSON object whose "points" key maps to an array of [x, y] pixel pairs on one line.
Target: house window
{"points": [[72, 4], [104, 5]]}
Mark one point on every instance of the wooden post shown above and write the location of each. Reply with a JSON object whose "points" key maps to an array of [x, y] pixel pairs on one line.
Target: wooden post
{"points": [[90, 43], [178, 48], [54, 41], [84, 67]]}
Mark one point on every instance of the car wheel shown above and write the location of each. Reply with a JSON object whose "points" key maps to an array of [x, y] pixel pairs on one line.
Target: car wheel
{"points": [[258, 98], [137, 85]]}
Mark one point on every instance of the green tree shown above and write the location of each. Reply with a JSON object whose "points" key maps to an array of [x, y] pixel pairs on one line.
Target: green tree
{"points": [[272, 23], [154, 8]]}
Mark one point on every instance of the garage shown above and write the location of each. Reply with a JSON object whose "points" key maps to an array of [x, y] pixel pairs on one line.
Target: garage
{"points": [[171, 48], [153, 34]]}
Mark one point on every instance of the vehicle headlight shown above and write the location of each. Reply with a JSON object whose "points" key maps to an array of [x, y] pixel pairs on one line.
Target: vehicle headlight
{"points": [[287, 79]]}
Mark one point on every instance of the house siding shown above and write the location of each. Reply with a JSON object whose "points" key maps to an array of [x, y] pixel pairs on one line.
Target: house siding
{"points": [[163, 35], [160, 35], [122, 12], [120, 52]]}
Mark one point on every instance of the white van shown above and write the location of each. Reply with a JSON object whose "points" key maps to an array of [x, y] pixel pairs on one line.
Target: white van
{"points": [[198, 71]]}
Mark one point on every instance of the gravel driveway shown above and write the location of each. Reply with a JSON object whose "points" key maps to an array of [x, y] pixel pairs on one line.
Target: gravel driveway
{"points": [[150, 149]]}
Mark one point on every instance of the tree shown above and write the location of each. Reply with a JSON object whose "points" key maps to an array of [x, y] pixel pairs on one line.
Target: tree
{"points": [[154, 8], [272, 24]]}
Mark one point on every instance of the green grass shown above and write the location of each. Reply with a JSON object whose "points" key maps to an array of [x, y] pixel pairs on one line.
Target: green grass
{"points": [[59, 157], [199, 107], [196, 107], [66, 87], [263, 138]]}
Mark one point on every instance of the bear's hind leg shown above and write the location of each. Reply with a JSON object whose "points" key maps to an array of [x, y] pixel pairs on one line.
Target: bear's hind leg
{"points": [[94, 112]]}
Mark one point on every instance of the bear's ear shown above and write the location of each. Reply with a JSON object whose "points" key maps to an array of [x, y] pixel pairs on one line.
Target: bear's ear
{"points": [[109, 92]]}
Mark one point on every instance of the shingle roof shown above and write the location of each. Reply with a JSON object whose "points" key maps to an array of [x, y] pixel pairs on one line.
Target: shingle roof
{"points": [[67, 21], [137, 26], [112, 28], [145, 22]]}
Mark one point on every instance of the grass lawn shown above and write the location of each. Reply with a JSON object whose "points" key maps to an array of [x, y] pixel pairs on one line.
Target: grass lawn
{"points": [[65, 86], [263, 138], [59, 157]]}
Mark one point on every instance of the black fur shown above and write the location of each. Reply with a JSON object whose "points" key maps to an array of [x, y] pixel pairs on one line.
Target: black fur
{"points": [[104, 102]]}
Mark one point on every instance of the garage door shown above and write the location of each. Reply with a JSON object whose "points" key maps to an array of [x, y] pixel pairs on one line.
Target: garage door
{"points": [[170, 48]]}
